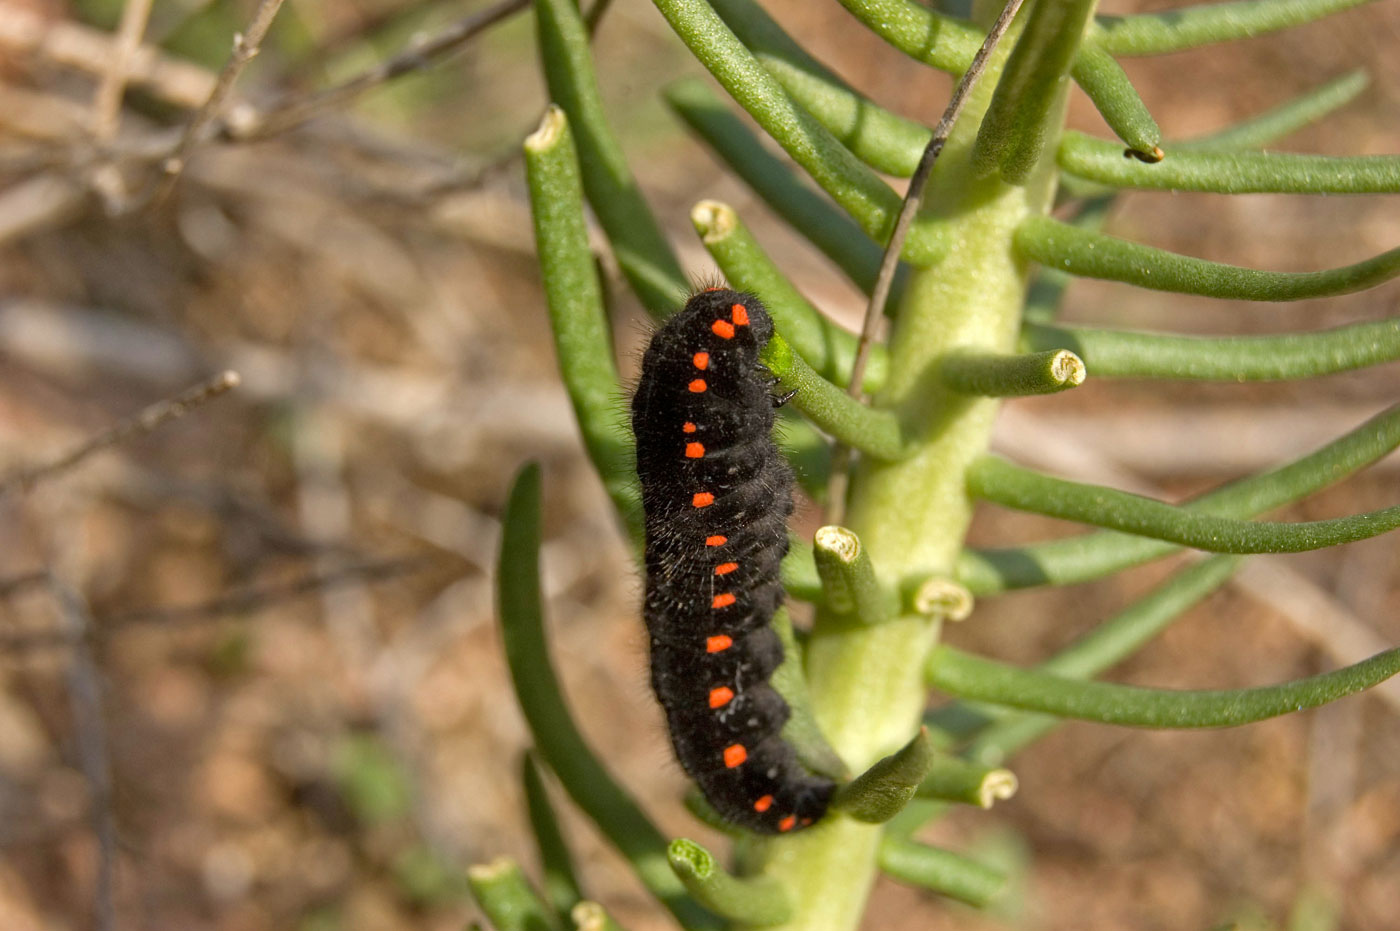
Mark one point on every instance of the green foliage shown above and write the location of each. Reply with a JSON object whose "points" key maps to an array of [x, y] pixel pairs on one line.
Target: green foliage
{"points": [[967, 326]]}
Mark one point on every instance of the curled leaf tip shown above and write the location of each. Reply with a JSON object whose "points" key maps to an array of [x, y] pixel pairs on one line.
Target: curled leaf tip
{"points": [[882, 791], [752, 900]]}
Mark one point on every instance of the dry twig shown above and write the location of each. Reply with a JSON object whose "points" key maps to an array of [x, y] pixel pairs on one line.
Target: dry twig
{"points": [[245, 47], [107, 102], [148, 420], [85, 700], [420, 53]]}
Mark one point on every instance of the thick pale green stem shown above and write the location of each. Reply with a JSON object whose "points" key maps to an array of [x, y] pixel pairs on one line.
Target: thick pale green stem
{"points": [[866, 681]]}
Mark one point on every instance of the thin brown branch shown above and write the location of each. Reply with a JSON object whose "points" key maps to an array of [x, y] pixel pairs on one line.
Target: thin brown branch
{"points": [[240, 601], [85, 700], [147, 421], [889, 264], [245, 47], [107, 102], [420, 54], [254, 599]]}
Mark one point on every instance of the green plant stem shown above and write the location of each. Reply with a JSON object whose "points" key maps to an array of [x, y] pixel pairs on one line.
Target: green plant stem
{"points": [[833, 233], [757, 901], [824, 346], [1128, 354], [1106, 645], [940, 871], [1009, 485], [870, 431], [1005, 376], [857, 189], [975, 678], [1118, 102], [1192, 27], [552, 727], [1018, 122], [1283, 120], [560, 884], [1223, 172], [503, 893], [952, 779], [866, 681], [1095, 255], [1094, 555], [637, 241], [578, 321]]}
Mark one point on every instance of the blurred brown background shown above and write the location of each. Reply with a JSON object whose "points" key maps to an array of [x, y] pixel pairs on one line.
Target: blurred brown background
{"points": [[291, 671]]}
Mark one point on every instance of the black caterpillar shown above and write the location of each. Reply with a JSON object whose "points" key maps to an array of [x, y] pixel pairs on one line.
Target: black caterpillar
{"points": [[717, 494]]}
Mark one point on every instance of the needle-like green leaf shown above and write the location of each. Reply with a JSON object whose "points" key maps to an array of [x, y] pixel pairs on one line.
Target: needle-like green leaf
{"points": [[756, 901], [940, 871], [857, 189], [1222, 172], [1017, 126], [996, 480], [1283, 120], [578, 321], [560, 884], [1105, 646], [811, 215], [1118, 102], [556, 737], [503, 893], [1128, 354], [1194, 26], [883, 140], [640, 246], [1094, 555], [975, 678], [946, 43], [1095, 255], [1006, 376], [874, 432]]}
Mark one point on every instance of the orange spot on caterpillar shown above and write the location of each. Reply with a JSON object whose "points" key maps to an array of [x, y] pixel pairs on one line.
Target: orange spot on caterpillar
{"points": [[694, 450], [734, 754], [725, 568], [701, 360], [698, 385], [723, 329], [719, 697], [716, 540], [723, 601], [806, 821], [763, 804], [788, 823], [741, 315], [689, 427], [702, 499], [718, 643]]}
